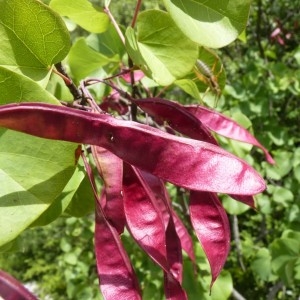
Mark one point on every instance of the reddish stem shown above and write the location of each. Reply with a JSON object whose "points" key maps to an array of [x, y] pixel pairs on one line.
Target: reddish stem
{"points": [[136, 11]]}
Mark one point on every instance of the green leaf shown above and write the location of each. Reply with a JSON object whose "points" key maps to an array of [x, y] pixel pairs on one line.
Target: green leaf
{"points": [[290, 234], [297, 173], [222, 288], [83, 201], [199, 288], [33, 172], [189, 86], [241, 119], [283, 196], [243, 36], [107, 43], [234, 207], [191, 282], [264, 204], [82, 12], [296, 159], [15, 245], [32, 37], [162, 51], [211, 23], [284, 165], [84, 60], [60, 204], [285, 253], [16, 88], [261, 264], [70, 258], [297, 269]]}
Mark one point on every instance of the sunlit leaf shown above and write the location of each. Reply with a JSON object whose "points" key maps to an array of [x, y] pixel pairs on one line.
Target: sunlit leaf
{"points": [[43, 169], [84, 60], [32, 37], [60, 204], [15, 87], [159, 48], [189, 86], [234, 207], [213, 24], [83, 13], [261, 264]]}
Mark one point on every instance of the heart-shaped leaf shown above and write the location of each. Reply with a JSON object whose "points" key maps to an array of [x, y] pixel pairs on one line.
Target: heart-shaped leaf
{"points": [[84, 60], [162, 51], [213, 23], [16, 87], [189, 86], [83, 13], [32, 37], [43, 169], [51, 164]]}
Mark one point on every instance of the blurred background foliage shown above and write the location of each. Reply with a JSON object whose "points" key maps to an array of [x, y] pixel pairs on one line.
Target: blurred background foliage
{"points": [[262, 92]]}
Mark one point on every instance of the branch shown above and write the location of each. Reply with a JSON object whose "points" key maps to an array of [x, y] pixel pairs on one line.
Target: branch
{"points": [[136, 11], [274, 290], [237, 240], [258, 29], [68, 81], [114, 22], [236, 295]]}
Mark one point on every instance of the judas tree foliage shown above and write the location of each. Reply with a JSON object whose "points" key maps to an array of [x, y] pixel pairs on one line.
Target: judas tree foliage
{"points": [[112, 120]]}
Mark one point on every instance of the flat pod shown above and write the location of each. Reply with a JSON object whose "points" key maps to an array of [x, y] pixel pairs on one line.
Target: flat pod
{"points": [[212, 228], [116, 275], [226, 127], [192, 164], [144, 218], [178, 117]]}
